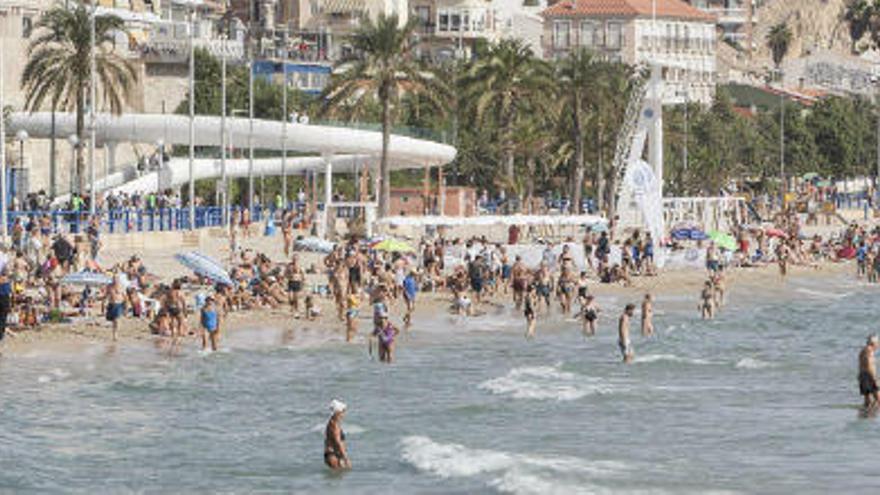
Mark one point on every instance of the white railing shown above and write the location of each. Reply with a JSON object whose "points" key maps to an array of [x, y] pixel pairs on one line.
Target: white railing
{"points": [[177, 51], [730, 16]]}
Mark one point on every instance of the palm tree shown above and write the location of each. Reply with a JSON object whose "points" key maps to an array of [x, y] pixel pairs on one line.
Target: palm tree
{"points": [[778, 41], [857, 15], [58, 66], [384, 71], [576, 74], [503, 84]]}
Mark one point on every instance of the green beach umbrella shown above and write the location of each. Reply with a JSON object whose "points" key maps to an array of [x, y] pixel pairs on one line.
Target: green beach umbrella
{"points": [[723, 240], [394, 246], [810, 175]]}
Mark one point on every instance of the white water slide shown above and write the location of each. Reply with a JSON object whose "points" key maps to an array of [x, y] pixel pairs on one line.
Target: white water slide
{"points": [[340, 149]]}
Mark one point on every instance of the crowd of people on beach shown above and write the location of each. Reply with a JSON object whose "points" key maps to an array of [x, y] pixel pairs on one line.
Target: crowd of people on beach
{"points": [[44, 278]]}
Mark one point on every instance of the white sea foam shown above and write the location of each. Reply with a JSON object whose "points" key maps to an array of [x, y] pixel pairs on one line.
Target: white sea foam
{"points": [[56, 374], [752, 364], [508, 472], [546, 383], [655, 358], [820, 294]]}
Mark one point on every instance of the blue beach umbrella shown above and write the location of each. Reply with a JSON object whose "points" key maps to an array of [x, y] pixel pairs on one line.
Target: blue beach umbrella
{"points": [[204, 266]]}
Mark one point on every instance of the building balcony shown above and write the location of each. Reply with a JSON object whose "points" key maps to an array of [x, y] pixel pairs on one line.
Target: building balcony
{"points": [[730, 16], [176, 51]]}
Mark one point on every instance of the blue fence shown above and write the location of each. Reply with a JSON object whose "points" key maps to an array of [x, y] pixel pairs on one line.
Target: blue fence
{"points": [[124, 220]]}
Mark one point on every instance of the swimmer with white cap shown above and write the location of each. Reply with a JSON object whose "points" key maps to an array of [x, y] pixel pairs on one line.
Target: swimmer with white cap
{"points": [[335, 454]]}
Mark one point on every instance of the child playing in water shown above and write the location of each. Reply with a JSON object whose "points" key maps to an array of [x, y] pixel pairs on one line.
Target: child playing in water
{"points": [[352, 304], [210, 321], [648, 315]]}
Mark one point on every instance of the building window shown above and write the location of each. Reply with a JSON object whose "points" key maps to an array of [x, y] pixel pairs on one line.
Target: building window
{"points": [[561, 34], [27, 26], [613, 40], [455, 21], [423, 14], [589, 34], [443, 21]]}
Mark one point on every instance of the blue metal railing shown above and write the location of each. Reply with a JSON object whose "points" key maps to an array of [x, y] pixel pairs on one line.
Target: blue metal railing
{"points": [[125, 220]]}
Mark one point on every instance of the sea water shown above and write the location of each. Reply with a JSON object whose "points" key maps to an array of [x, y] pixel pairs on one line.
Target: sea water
{"points": [[762, 399]]}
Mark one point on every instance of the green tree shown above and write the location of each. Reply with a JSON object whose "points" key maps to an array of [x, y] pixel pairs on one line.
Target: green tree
{"points": [[858, 15], [575, 75], [384, 72], [502, 86], [58, 69], [779, 41]]}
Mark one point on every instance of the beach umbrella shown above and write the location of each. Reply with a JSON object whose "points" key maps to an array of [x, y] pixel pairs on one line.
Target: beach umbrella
{"points": [[810, 175], [723, 240], [775, 233], [698, 235], [681, 234], [87, 279], [599, 227], [394, 246], [204, 266]]}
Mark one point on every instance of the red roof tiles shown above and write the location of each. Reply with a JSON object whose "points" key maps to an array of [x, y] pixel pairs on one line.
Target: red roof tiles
{"points": [[626, 8]]}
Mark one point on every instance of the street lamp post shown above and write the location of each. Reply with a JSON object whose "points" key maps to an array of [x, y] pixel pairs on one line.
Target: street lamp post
{"points": [[21, 136], [73, 139], [160, 146], [93, 102], [192, 117], [284, 125], [781, 136], [2, 155], [224, 215]]}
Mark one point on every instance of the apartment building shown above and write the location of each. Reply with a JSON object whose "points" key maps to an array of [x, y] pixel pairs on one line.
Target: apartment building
{"points": [[678, 37], [735, 20]]}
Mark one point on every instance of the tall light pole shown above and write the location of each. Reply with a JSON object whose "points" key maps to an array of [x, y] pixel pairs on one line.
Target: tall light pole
{"points": [[250, 66], [284, 125], [2, 154], [93, 103], [73, 139], [192, 117], [21, 136], [224, 215], [781, 135]]}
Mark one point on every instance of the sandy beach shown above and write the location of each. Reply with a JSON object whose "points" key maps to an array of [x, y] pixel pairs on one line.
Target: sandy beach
{"points": [[68, 337]]}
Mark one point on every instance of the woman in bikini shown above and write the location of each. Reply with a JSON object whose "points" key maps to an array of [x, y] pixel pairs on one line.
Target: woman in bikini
{"points": [[335, 453]]}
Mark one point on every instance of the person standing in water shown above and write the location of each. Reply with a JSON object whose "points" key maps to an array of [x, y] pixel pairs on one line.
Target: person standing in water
{"points": [[115, 302], [707, 301], [410, 288], [210, 320], [335, 453], [648, 315], [868, 372], [623, 341], [529, 312], [590, 313], [353, 304]]}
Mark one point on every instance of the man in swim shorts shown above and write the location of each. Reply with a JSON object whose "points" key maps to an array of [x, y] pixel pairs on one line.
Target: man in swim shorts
{"points": [[623, 341], [868, 372], [115, 303]]}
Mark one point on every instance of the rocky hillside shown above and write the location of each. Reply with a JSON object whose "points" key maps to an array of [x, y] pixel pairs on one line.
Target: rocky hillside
{"points": [[815, 24]]}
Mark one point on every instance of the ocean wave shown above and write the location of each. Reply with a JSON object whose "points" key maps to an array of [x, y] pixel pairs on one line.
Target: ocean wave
{"points": [[655, 358], [56, 374], [820, 294], [546, 383], [752, 364], [508, 472]]}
